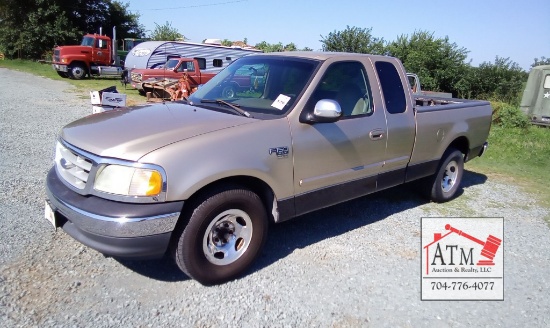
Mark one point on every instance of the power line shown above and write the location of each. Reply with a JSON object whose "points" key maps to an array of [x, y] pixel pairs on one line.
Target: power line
{"points": [[192, 6]]}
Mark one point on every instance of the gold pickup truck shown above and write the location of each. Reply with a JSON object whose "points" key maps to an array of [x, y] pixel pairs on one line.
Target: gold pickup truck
{"points": [[202, 179]]}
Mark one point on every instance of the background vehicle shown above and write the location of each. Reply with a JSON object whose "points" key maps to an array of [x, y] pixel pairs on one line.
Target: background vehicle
{"points": [[144, 79], [127, 45], [152, 54], [535, 102], [202, 179], [414, 82], [94, 56]]}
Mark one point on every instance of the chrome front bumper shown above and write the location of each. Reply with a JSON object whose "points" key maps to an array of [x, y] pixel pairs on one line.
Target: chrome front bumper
{"points": [[60, 68], [113, 228]]}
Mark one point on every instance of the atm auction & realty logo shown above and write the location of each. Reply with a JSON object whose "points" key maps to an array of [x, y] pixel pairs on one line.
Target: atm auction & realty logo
{"points": [[462, 259]]}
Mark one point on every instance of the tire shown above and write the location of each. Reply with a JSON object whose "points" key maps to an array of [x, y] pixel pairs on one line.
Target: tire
{"points": [[446, 182], [228, 92], [224, 235], [63, 74], [77, 72]]}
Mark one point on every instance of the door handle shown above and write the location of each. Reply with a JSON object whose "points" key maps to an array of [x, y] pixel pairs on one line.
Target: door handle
{"points": [[376, 134]]}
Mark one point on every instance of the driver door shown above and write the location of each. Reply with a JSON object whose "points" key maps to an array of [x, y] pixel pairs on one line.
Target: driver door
{"points": [[100, 52], [335, 162]]}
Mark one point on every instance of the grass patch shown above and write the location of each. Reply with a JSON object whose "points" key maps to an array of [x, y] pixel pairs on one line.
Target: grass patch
{"points": [[82, 86], [519, 156]]}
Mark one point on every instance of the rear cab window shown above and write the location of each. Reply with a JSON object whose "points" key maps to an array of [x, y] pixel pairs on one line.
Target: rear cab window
{"points": [[392, 88]]}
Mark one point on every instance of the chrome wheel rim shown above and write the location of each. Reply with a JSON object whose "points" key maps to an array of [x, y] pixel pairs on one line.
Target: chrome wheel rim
{"points": [[228, 92], [78, 72], [450, 176], [227, 237]]}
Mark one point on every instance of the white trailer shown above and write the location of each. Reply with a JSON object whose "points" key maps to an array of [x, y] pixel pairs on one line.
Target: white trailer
{"points": [[151, 54]]}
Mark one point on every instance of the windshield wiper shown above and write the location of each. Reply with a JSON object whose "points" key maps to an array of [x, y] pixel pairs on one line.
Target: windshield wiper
{"points": [[228, 104]]}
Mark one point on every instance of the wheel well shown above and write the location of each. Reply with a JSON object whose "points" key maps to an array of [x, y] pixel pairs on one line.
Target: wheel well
{"points": [[462, 144], [256, 185], [259, 187]]}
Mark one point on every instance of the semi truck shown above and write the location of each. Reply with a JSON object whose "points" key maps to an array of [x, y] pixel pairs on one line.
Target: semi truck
{"points": [[95, 56]]}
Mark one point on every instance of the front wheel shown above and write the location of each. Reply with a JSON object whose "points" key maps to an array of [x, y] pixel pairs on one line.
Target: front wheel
{"points": [[447, 180], [229, 92], [224, 235], [77, 71]]}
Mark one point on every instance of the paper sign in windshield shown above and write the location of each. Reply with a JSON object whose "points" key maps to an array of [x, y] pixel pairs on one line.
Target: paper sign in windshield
{"points": [[280, 102]]}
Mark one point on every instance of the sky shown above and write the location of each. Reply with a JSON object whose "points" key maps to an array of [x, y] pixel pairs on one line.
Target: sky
{"points": [[515, 29]]}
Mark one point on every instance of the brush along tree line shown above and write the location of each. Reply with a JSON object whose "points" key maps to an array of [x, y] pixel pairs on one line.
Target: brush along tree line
{"points": [[29, 29]]}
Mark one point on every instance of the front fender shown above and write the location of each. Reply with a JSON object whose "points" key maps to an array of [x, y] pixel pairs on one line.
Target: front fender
{"points": [[261, 149]]}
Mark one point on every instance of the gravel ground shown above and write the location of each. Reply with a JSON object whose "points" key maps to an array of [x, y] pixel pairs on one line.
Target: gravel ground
{"points": [[355, 264]]}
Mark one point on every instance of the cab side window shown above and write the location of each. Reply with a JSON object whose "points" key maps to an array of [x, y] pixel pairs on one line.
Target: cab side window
{"points": [[101, 44], [189, 66], [345, 82], [392, 88]]}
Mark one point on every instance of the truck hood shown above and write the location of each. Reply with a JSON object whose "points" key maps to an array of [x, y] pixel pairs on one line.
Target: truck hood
{"points": [[131, 133], [69, 50]]}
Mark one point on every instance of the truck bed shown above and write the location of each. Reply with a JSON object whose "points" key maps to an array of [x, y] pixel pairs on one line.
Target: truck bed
{"points": [[440, 118]]}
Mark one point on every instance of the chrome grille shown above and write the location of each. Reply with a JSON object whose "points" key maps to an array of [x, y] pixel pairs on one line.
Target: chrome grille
{"points": [[72, 167], [56, 56]]}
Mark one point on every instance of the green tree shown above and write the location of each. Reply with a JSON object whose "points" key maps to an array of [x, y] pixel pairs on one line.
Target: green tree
{"points": [[166, 33], [278, 47], [353, 39], [268, 47], [439, 63], [30, 28], [227, 43], [290, 47], [502, 80], [542, 61]]}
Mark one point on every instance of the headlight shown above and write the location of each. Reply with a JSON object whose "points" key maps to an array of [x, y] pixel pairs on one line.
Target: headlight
{"points": [[128, 181], [63, 60]]}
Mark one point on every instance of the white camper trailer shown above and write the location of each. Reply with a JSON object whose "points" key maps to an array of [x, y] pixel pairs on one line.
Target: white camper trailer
{"points": [[152, 54]]}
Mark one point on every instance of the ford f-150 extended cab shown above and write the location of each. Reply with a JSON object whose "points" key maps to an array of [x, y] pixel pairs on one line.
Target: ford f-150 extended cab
{"points": [[201, 179]]}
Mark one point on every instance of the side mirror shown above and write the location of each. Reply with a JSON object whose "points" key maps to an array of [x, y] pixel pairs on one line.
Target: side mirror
{"points": [[325, 111]]}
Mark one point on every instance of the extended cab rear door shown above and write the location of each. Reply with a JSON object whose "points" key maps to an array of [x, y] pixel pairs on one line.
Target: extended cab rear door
{"points": [[396, 104], [334, 162]]}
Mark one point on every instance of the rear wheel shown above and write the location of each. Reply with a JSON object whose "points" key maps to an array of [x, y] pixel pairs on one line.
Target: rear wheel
{"points": [[224, 235], [445, 183], [77, 71]]}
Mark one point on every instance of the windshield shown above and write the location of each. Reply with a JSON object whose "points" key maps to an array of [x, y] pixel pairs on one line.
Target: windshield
{"points": [[258, 84], [87, 41]]}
